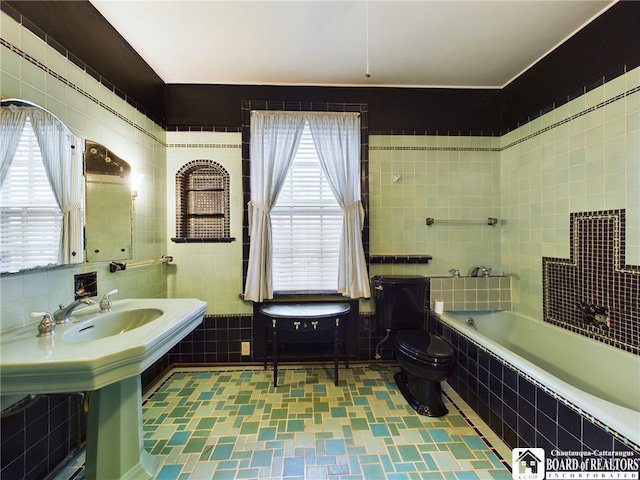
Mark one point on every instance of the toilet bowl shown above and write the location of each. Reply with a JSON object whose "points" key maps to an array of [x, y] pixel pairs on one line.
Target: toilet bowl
{"points": [[425, 359]]}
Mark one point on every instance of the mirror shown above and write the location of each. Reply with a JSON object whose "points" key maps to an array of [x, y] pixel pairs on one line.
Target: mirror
{"points": [[41, 190], [107, 204], [31, 187]]}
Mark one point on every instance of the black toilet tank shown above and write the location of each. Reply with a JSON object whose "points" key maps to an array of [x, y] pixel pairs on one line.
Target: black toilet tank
{"points": [[400, 301]]}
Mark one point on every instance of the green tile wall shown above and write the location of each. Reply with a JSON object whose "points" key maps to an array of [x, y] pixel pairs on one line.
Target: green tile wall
{"points": [[582, 156], [413, 177], [34, 71]]}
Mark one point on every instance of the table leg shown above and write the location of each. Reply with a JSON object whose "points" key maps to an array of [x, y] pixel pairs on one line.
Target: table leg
{"points": [[275, 357], [345, 339], [335, 355], [266, 346]]}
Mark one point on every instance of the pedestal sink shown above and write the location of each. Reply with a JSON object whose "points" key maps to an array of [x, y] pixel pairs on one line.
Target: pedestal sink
{"points": [[104, 354]]}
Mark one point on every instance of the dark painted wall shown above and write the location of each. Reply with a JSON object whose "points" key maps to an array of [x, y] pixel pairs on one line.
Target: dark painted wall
{"points": [[454, 111], [605, 48], [77, 27]]}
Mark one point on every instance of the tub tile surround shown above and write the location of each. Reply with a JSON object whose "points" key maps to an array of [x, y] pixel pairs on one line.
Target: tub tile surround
{"points": [[412, 176], [472, 293], [596, 274], [522, 411]]}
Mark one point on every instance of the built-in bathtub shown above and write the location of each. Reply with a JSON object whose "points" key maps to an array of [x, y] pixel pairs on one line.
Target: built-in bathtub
{"points": [[539, 385]]}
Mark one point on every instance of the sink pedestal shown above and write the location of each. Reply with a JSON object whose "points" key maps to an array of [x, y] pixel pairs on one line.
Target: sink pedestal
{"points": [[115, 442]]}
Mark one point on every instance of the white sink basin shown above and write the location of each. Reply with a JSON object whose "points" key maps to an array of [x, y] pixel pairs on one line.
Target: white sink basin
{"points": [[96, 349], [107, 324]]}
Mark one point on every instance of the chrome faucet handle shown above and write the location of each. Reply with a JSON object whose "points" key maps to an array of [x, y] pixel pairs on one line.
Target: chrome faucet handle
{"points": [[105, 303], [486, 272], [455, 272], [46, 327], [62, 315]]}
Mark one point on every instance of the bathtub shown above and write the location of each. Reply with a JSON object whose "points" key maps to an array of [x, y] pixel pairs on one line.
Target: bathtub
{"points": [[600, 380]]}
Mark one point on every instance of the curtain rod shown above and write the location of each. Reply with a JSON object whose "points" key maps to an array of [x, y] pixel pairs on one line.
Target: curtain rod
{"points": [[316, 112], [7, 102]]}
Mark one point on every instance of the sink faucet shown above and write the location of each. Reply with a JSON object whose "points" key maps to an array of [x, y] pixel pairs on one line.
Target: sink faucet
{"points": [[476, 270], [62, 315]]}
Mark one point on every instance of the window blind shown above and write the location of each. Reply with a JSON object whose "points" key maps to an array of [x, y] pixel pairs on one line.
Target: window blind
{"points": [[306, 226], [30, 218]]}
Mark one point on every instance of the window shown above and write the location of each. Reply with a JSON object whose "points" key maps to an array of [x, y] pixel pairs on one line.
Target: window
{"points": [[273, 147], [306, 226], [31, 221]]}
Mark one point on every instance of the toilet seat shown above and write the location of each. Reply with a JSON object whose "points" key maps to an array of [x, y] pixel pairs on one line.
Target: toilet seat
{"points": [[421, 346]]}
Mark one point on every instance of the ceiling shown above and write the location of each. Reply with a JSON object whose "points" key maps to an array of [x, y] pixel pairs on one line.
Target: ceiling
{"points": [[483, 44]]}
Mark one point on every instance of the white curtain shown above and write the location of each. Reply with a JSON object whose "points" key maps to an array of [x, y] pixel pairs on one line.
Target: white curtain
{"points": [[274, 141], [275, 137], [12, 120], [64, 170], [337, 140]]}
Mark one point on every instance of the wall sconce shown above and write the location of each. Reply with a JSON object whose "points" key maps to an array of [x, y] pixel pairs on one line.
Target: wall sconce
{"points": [[136, 181]]}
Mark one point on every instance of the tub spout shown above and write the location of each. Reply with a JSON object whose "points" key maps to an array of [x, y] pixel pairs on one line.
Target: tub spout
{"points": [[475, 271]]}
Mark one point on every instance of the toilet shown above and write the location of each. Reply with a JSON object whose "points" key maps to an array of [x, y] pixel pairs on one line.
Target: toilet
{"points": [[425, 359]]}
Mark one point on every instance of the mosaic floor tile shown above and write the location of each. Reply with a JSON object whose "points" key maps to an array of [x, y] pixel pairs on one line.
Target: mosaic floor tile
{"points": [[231, 423]]}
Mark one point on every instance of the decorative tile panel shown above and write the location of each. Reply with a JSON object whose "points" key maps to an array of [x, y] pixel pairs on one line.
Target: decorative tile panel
{"points": [[594, 292]]}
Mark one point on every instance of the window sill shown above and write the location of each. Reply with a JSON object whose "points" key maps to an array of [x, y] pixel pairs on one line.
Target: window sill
{"points": [[307, 295], [202, 240]]}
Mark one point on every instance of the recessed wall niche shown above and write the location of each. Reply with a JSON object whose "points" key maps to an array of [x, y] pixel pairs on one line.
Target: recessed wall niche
{"points": [[202, 203]]}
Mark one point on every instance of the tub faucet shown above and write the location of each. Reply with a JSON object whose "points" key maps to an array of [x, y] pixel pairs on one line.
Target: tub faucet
{"points": [[595, 315], [62, 315], [476, 270]]}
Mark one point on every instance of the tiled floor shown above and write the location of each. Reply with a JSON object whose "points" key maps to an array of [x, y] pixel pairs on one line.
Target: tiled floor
{"points": [[230, 423]]}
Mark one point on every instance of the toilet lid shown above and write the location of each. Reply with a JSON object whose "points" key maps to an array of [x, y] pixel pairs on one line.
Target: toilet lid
{"points": [[422, 344]]}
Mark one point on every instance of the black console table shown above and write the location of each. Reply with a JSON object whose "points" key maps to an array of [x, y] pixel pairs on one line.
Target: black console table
{"points": [[304, 319]]}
